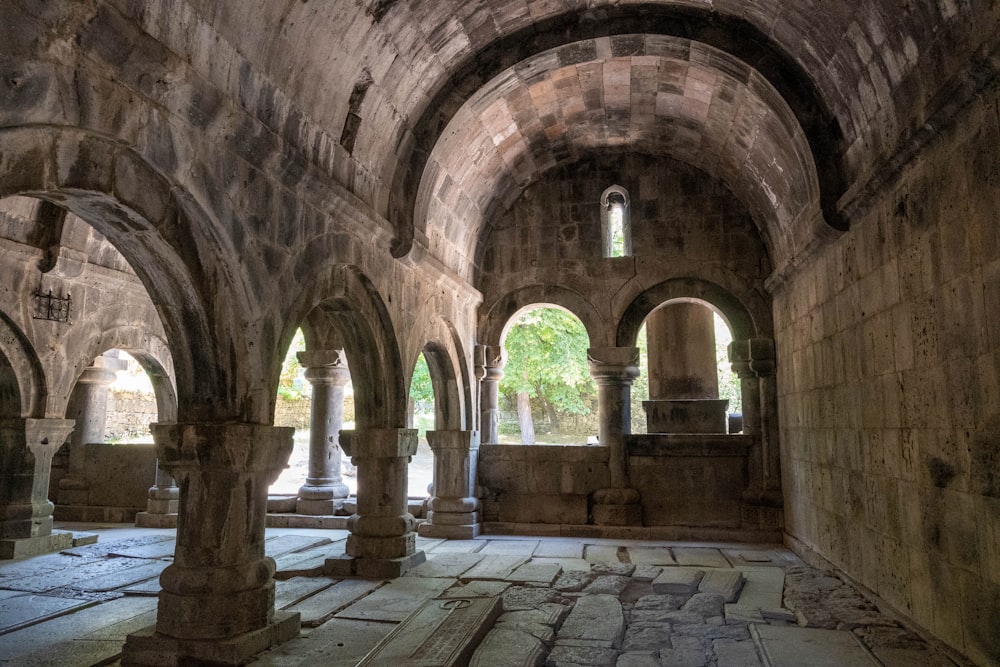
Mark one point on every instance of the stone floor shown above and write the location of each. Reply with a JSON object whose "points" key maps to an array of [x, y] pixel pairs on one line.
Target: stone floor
{"points": [[492, 601]]}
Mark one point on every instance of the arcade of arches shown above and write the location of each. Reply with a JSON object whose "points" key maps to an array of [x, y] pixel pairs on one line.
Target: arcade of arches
{"points": [[193, 181]]}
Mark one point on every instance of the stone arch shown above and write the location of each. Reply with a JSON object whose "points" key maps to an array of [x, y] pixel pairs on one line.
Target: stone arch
{"points": [[496, 321], [153, 354], [741, 319], [345, 310], [446, 360], [22, 381], [732, 34], [111, 187]]}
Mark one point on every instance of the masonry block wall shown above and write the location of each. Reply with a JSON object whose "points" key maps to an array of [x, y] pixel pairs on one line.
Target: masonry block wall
{"points": [[889, 381], [684, 224]]}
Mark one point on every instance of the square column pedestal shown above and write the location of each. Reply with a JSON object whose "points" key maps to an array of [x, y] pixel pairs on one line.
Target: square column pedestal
{"points": [[216, 605], [382, 543], [454, 509], [26, 450]]}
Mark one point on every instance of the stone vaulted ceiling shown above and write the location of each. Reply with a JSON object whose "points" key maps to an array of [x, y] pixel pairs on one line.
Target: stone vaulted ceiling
{"points": [[445, 110]]}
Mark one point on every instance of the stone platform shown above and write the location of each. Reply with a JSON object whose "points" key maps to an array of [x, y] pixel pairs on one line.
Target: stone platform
{"points": [[542, 601]]}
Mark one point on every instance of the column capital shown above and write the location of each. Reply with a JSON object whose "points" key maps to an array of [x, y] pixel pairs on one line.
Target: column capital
{"points": [[237, 447], [493, 356], [379, 443], [322, 358], [752, 357], [613, 363], [460, 440], [47, 433], [102, 371]]}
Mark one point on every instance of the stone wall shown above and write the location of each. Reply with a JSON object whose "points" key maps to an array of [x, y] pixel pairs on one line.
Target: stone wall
{"points": [[129, 413], [684, 225], [889, 378]]}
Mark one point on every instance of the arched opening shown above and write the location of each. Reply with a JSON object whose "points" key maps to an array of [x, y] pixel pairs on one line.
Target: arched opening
{"points": [[616, 224], [422, 415], [547, 395], [686, 383], [306, 378]]}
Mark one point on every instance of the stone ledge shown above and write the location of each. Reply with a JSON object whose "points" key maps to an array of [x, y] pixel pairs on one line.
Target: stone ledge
{"points": [[22, 547], [663, 533], [688, 444]]}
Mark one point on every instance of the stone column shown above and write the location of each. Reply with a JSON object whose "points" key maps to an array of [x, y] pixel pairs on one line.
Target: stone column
{"points": [[162, 502], [217, 600], [753, 361], [683, 378], [490, 396], [454, 509], [382, 543], [88, 406], [26, 450], [614, 369], [324, 490]]}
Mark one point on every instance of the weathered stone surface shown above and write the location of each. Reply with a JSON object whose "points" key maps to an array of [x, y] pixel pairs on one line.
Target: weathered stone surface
{"points": [[395, 600], [443, 631], [705, 604], [733, 653], [609, 584], [568, 656], [678, 580], [646, 637], [682, 657], [317, 608], [785, 646], [494, 567], [449, 565], [509, 646], [700, 557], [726, 583], [528, 597], [594, 618], [535, 572]]}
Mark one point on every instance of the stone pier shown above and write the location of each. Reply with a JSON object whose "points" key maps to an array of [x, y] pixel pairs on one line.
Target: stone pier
{"points": [[382, 543], [324, 490], [26, 450], [683, 373], [454, 508], [88, 407], [614, 369], [216, 605], [162, 502], [490, 395]]}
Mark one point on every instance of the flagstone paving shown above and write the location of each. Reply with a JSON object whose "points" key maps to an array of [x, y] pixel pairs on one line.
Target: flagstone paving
{"points": [[562, 602]]}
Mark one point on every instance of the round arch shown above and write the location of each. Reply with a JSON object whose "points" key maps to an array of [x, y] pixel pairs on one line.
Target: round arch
{"points": [[149, 223], [729, 33], [494, 326], [22, 381], [345, 310], [738, 316], [151, 352], [450, 378]]}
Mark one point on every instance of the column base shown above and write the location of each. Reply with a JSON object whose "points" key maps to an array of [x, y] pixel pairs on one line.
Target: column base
{"points": [[155, 520], [148, 647], [372, 568], [326, 507], [20, 547], [450, 532]]}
